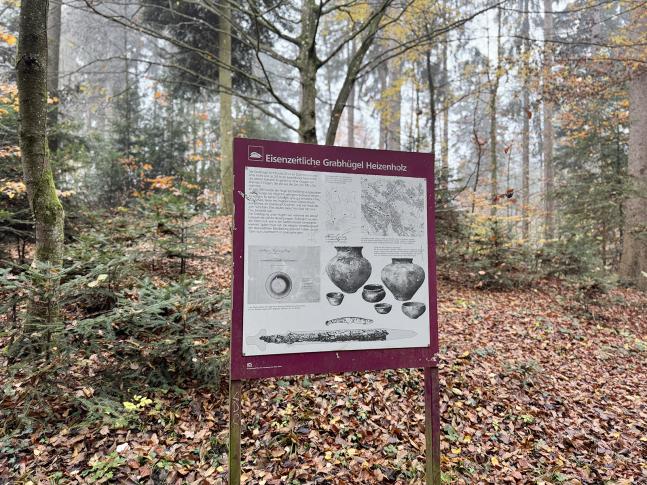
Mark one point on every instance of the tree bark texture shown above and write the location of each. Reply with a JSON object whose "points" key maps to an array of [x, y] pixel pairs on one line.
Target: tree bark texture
{"points": [[31, 69], [548, 136], [444, 144], [382, 74], [53, 55], [494, 89], [226, 116], [525, 129], [351, 118], [432, 102], [308, 66], [393, 131], [633, 264]]}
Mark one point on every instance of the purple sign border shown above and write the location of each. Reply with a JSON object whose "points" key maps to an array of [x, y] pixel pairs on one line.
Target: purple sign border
{"points": [[262, 366]]}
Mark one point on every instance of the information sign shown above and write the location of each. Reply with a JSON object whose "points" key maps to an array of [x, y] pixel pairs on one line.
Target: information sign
{"points": [[334, 269], [334, 264]]}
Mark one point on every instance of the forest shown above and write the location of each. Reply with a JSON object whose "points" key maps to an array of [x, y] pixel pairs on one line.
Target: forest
{"points": [[117, 124]]}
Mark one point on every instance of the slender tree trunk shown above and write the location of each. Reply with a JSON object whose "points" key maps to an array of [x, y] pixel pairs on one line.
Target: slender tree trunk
{"points": [[350, 108], [53, 55], [47, 210], [494, 167], [351, 118], [382, 73], [416, 146], [432, 102], [354, 65], [525, 130], [394, 134], [548, 135], [444, 145], [226, 117], [633, 264], [308, 66]]}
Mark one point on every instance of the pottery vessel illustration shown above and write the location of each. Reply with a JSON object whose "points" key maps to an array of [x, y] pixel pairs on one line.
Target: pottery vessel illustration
{"points": [[413, 309], [278, 285], [348, 269], [335, 298], [383, 308], [373, 293], [403, 278]]}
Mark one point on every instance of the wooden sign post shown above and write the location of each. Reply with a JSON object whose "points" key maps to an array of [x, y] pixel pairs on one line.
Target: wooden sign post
{"points": [[334, 270]]}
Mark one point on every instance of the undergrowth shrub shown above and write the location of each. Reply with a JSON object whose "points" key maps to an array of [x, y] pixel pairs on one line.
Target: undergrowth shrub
{"points": [[479, 248], [121, 329]]}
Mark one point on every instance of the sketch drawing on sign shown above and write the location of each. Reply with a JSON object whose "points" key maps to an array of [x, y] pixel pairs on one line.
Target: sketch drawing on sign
{"points": [[283, 274], [392, 206]]}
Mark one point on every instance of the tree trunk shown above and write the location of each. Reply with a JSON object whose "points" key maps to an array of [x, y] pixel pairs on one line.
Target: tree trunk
{"points": [[394, 134], [444, 144], [525, 129], [351, 118], [226, 121], [354, 65], [382, 73], [47, 210], [53, 55], [548, 135], [633, 264], [494, 168], [433, 115], [308, 66]]}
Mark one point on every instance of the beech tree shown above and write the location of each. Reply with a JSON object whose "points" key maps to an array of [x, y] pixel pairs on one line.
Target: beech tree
{"points": [[31, 68], [548, 134], [633, 264]]}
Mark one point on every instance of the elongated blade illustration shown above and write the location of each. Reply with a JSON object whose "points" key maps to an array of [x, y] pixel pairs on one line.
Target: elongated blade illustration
{"points": [[261, 339]]}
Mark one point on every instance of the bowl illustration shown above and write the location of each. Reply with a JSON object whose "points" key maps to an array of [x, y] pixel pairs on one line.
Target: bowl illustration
{"points": [[383, 308], [335, 298], [373, 293], [278, 285], [413, 309]]}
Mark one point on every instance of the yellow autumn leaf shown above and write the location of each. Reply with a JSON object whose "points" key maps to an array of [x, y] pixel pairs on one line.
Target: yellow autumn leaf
{"points": [[495, 461], [8, 38]]}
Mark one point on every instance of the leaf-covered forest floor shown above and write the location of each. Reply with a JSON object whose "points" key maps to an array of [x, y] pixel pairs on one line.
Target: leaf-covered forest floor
{"points": [[540, 385]]}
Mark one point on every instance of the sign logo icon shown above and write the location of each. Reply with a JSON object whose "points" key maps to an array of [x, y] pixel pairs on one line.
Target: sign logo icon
{"points": [[255, 153]]}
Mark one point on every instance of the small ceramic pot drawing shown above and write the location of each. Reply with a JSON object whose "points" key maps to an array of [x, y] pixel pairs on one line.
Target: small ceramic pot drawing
{"points": [[373, 293], [413, 309], [348, 269], [403, 278], [278, 285], [335, 298], [383, 308]]}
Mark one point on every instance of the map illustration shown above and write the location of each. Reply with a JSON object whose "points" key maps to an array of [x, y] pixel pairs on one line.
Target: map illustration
{"points": [[341, 209], [393, 206]]}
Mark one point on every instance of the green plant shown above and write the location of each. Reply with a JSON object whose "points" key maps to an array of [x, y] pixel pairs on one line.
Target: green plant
{"points": [[104, 469]]}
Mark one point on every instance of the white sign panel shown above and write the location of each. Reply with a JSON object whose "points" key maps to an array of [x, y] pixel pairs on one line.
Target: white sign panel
{"points": [[334, 261]]}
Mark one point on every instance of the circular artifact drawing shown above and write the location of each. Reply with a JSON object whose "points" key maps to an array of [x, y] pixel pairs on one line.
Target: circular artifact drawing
{"points": [[278, 285]]}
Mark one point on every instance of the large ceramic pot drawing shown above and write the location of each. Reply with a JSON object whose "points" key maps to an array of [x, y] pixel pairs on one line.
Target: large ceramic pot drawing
{"points": [[403, 278], [348, 269]]}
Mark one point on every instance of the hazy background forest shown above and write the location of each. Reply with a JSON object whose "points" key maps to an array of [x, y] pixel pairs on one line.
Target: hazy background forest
{"points": [[536, 111]]}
